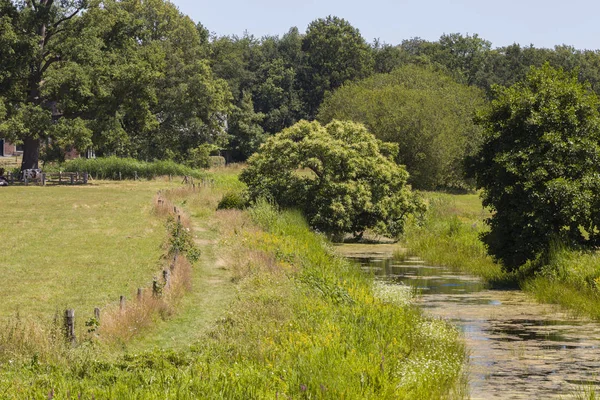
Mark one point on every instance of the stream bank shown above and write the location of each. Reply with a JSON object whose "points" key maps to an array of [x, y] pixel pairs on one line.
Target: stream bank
{"points": [[518, 349]]}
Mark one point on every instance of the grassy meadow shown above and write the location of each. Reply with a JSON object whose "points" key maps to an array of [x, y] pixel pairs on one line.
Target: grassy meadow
{"points": [[78, 247], [270, 311]]}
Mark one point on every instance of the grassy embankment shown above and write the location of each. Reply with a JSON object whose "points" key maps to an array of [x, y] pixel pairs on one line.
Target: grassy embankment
{"points": [[303, 324], [449, 236]]}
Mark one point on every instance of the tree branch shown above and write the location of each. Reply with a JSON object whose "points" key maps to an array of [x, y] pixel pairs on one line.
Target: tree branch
{"points": [[51, 34], [60, 21], [317, 173], [48, 63]]}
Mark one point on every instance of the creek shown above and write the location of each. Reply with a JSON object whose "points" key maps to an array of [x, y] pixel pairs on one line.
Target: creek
{"points": [[518, 349]]}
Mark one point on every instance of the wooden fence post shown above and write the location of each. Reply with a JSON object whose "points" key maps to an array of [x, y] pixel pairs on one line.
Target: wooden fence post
{"points": [[97, 315], [167, 278], [43, 179], [70, 325], [122, 303], [72, 179], [85, 178], [140, 294], [120, 178], [174, 259]]}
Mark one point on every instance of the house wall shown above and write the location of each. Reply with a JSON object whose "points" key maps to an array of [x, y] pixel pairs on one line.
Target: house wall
{"points": [[9, 149]]}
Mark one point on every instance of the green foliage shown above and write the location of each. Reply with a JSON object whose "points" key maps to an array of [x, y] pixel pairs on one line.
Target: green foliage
{"points": [[425, 112], [335, 53], [216, 161], [246, 134], [45, 54], [200, 157], [129, 77], [232, 200], [448, 235], [155, 90], [110, 167], [336, 174], [181, 240], [539, 166], [263, 77]]}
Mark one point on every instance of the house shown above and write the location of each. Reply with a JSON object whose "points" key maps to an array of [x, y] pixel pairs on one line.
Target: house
{"points": [[8, 149]]}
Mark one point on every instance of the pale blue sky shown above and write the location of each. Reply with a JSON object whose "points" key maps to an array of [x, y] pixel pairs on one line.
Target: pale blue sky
{"points": [[543, 23]]}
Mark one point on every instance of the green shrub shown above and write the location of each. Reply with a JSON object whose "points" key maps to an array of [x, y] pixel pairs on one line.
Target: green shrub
{"points": [[424, 111], [538, 167], [111, 167], [342, 178], [216, 161], [233, 200]]}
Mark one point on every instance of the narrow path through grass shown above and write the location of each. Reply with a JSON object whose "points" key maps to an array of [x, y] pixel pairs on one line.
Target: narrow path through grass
{"points": [[212, 292]]}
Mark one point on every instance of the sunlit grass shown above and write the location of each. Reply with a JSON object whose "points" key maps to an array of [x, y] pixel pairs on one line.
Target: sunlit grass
{"points": [[448, 235], [570, 278], [76, 247], [304, 323]]}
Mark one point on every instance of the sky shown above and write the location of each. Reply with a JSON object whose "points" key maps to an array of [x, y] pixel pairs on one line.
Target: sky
{"points": [[502, 22]]}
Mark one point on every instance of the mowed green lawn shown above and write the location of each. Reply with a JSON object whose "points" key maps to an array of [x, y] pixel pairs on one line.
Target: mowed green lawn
{"points": [[77, 247]]}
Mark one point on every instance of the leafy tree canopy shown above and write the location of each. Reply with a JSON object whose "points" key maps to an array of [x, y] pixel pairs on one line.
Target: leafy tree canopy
{"points": [[425, 112], [339, 175], [335, 52], [128, 76], [36, 42], [539, 166]]}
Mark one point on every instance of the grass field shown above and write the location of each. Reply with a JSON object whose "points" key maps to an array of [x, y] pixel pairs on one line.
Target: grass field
{"points": [[271, 313], [10, 162], [77, 247]]}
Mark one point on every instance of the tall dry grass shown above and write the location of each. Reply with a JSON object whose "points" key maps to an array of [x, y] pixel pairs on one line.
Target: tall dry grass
{"points": [[118, 325]]}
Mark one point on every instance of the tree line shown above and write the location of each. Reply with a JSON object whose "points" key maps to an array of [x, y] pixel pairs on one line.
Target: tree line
{"points": [[140, 79]]}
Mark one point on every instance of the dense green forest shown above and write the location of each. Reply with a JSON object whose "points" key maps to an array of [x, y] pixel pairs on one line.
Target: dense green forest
{"points": [[140, 79]]}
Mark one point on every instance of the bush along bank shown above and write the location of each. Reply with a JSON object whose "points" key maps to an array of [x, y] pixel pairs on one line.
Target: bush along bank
{"points": [[449, 234], [306, 324]]}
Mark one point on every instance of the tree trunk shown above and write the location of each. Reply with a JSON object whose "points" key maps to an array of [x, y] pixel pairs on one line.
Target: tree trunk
{"points": [[31, 153]]}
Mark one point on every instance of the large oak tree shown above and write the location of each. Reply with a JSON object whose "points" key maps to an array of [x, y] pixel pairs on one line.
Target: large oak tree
{"points": [[40, 42]]}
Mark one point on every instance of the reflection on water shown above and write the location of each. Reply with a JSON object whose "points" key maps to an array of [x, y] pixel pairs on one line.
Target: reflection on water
{"points": [[518, 349]]}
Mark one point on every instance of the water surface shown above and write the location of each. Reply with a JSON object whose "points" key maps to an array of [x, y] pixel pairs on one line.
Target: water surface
{"points": [[518, 349]]}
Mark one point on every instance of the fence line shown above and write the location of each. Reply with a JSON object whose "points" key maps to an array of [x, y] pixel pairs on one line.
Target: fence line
{"points": [[159, 287], [59, 178]]}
